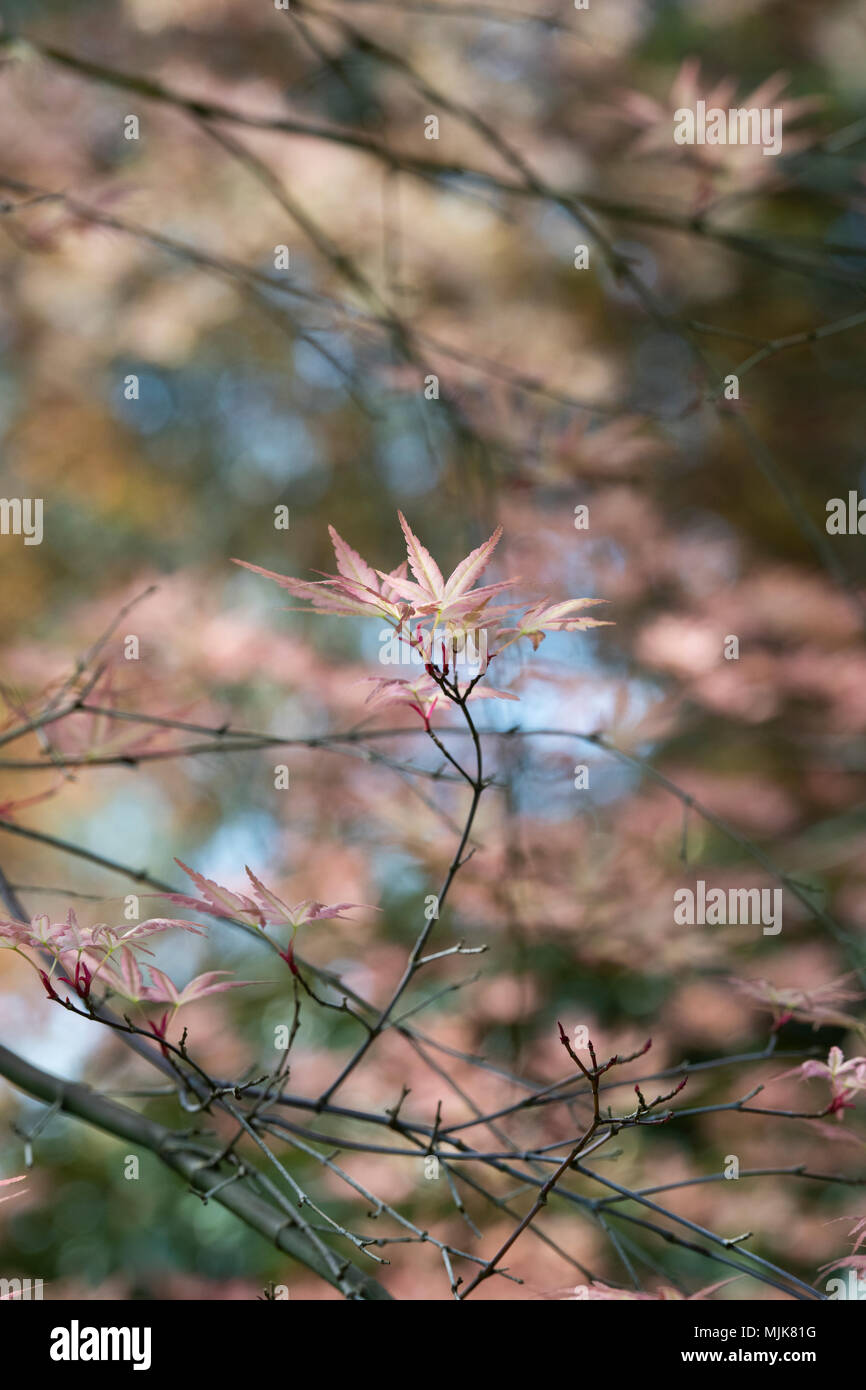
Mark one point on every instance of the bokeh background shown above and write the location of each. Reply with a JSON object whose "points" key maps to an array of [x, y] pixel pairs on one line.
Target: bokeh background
{"points": [[558, 388]]}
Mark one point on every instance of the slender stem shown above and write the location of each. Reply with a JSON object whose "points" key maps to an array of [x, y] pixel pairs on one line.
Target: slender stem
{"points": [[415, 958]]}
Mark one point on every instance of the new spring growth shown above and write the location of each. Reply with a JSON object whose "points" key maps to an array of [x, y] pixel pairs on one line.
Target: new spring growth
{"points": [[418, 608]]}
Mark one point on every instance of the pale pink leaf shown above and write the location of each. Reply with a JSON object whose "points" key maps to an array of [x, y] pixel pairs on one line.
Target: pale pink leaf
{"points": [[220, 900], [421, 562], [489, 692], [470, 570], [162, 989], [300, 588], [350, 563], [405, 587]]}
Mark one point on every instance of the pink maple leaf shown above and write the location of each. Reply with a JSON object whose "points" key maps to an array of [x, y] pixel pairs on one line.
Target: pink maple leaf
{"points": [[432, 596], [845, 1079], [164, 991], [216, 900], [354, 590], [555, 617]]}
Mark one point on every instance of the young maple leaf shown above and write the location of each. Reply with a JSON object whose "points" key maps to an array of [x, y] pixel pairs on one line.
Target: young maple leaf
{"points": [[842, 1075], [84, 956], [64, 938], [216, 900], [164, 991], [278, 913], [555, 617], [422, 694], [123, 976], [263, 908], [450, 600], [857, 1232], [356, 590]]}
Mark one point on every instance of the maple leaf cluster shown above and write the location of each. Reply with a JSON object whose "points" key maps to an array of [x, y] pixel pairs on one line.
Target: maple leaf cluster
{"points": [[424, 608], [84, 957]]}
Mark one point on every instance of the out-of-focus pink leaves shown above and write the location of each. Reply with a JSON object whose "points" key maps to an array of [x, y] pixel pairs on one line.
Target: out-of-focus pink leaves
{"points": [[858, 1235], [743, 164], [816, 1006], [598, 1291], [852, 1261], [124, 978], [8, 808], [847, 1262], [845, 1079], [420, 695], [859, 1231]]}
